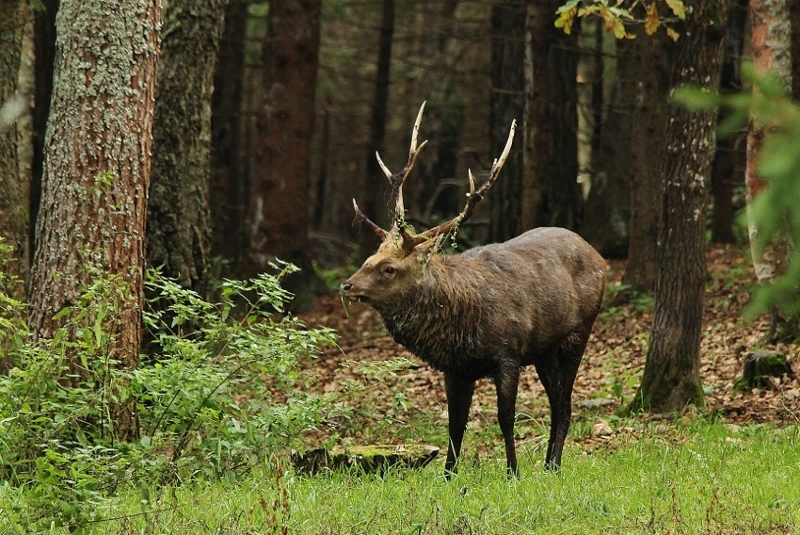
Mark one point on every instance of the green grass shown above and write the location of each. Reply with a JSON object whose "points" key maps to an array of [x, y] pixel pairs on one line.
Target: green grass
{"points": [[704, 478]]}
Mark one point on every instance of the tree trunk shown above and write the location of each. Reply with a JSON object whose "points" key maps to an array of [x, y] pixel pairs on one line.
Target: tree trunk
{"points": [[794, 18], [671, 378], [551, 194], [727, 171], [771, 48], [228, 165], [96, 171], [178, 223], [649, 74], [606, 224], [437, 193], [277, 218], [376, 183], [44, 45], [13, 185], [508, 34]]}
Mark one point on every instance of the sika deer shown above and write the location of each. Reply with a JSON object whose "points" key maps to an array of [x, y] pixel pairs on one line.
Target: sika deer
{"points": [[486, 312]]}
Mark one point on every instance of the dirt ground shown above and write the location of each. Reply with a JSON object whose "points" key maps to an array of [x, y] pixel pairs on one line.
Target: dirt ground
{"points": [[611, 367]]}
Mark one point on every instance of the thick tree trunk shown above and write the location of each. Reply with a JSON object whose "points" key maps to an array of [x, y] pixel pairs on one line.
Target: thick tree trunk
{"points": [[277, 218], [727, 172], [178, 224], [44, 45], [671, 378], [229, 169], [96, 171], [606, 224], [508, 51], [13, 186], [649, 73], [551, 194]]}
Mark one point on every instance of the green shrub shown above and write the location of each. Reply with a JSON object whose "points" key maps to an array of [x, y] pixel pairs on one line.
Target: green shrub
{"points": [[222, 393]]}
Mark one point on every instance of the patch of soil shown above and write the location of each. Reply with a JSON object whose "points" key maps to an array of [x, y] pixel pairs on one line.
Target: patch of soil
{"points": [[611, 368]]}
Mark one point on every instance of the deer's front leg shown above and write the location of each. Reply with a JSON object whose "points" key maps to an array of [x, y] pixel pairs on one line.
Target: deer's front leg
{"points": [[459, 399]]}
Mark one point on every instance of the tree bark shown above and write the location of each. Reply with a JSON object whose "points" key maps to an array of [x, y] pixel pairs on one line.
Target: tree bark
{"points": [[671, 378], [44, 45], [229, 168], [277, 218], [437, 192], [13, 186], [507, 42], [606, 224], [794, 18], [551, 194], [178, 225], [727, 171], [649, 73], [376, 184], [96, 171]]}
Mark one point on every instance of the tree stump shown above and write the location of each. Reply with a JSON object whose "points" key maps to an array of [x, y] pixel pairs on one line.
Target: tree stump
{"points": [[366, 459], [759, 368]]}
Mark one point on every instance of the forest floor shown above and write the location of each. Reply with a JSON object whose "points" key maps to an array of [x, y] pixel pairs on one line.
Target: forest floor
{"points": [[609, 375]]}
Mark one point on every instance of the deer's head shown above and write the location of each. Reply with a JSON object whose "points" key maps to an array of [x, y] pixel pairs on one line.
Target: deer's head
{"points": [[399, 261]]}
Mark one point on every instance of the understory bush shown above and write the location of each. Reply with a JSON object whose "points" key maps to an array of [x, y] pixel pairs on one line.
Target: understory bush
{"points": [[219, 392]]}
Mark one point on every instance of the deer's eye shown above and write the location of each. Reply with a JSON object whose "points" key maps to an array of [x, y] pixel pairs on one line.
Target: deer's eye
{"points": [[389, 270]]}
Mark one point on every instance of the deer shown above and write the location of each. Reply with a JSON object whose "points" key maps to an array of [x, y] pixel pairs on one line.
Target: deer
{"points": [[486, 312]]}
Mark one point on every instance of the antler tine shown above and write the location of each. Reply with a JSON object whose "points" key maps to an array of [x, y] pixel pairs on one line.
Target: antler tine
{"points": [[398, 181], [415, 133], [474, 197], [382, 234], [384, 168]]}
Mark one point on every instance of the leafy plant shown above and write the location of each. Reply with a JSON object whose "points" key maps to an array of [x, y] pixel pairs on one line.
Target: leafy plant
{"points": [[213, 401]]}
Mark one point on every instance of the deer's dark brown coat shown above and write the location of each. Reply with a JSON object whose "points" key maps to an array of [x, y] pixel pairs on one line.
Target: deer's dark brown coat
{"points": [[487, 312]]}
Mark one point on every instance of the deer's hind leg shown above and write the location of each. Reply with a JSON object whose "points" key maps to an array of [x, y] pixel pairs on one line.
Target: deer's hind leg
{"points": [[557, 371]]}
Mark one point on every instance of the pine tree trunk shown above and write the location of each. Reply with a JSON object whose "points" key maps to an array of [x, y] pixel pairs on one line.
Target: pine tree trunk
{"points": [[44, 46], [508, 33], [178, 224], [13, 186], [671, 378], [375, 181], [551, 194], [277, 219], [96, 170], [437, 192], [228, 164], [649, 73], [729, 159]]}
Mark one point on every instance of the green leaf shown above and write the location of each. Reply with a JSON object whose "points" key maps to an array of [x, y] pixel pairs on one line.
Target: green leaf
{"points": [[696, 98], [677, 8]]}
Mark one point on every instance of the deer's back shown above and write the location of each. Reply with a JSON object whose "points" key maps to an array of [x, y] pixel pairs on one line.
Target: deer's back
{"points": [[535, 289]]}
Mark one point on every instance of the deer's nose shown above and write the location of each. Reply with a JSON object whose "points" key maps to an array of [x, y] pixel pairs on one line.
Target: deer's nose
{"points": [[345, 287]]}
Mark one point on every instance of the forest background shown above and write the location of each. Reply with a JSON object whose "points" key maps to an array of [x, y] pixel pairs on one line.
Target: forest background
{"points": [[213, 139]]}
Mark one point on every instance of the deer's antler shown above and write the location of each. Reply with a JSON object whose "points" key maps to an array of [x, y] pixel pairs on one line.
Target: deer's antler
{"points": [[473, 197], [397, 180]]}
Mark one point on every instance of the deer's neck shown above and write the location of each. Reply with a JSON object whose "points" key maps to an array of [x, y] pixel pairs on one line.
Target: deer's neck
{"points": [[439, 319]]}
